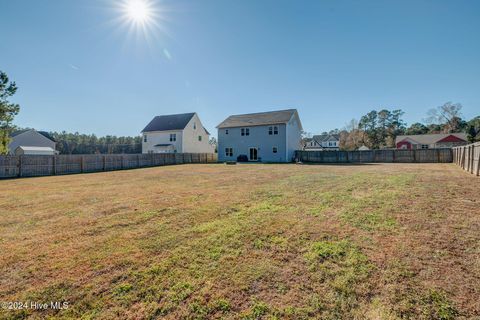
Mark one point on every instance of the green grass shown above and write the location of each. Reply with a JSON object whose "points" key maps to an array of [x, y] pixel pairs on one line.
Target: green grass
{"points": [[240, 242]]}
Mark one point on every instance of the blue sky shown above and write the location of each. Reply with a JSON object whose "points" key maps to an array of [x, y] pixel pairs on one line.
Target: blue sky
{"points": [[78, 68]]}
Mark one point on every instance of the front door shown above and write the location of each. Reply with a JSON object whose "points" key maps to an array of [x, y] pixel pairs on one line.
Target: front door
{"points": [[253, 154]]}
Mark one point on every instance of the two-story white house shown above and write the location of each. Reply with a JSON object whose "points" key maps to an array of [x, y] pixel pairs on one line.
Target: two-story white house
{"points": [[322, 142], [267, 136], [182, 133]]}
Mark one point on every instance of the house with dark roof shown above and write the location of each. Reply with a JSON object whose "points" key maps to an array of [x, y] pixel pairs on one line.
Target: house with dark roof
{"points": [[265, 137], [31, 141], [322, 142], [429, 141], [176, 133]]}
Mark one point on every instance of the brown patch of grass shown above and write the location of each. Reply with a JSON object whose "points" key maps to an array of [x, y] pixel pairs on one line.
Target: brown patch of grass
{"points": [[383, 241]]}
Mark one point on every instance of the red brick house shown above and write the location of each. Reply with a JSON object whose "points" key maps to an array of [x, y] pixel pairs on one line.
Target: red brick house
{"points": [[429, 141]]}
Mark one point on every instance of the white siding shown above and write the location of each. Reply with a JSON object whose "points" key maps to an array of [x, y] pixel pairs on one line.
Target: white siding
{"points": [[161, 137], [192, 131]]}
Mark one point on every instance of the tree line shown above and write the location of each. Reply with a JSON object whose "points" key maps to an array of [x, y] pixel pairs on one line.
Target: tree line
{"points": [[76, 143], [379, 129]]}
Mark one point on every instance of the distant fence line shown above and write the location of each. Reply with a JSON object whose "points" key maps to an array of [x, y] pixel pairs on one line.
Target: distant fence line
{"points": [[36, 165], [443, 155], [468, 157]]}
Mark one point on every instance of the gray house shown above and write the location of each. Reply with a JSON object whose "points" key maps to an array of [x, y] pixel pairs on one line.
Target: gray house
{"points": [[29, 140], [267, 136]]}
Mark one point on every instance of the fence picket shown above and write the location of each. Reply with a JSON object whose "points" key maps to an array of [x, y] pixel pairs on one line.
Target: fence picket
{"points": [[36, 165]]}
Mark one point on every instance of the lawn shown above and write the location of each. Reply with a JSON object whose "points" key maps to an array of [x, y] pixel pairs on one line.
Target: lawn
{"points": [[380, 241]]}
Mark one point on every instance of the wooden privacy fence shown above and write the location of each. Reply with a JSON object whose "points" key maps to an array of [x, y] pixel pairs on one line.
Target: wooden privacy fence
{"points": [[468, 157], [397, 155], [33, 165]]}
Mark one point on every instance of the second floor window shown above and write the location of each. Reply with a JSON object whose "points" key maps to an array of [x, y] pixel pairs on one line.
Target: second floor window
{"points": [[226, 131], [173, 137], [199, 138], [245, 131], [145, 138], [272, 130]]}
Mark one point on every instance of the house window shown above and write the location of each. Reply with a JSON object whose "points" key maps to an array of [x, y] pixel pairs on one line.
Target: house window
{"points": [[228, 152], [242, 131], [173, 137], [245, 131], [199, 138], [273, 130], [194, 126], [145, 138], [274, 149], [424, 146], [226, 131]]}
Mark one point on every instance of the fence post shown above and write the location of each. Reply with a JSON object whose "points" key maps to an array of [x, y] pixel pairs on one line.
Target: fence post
{"points": [[104, 160], [20, 164], [471, 158], [82, 164], [54, 165], [138, 160], [478, 161]]}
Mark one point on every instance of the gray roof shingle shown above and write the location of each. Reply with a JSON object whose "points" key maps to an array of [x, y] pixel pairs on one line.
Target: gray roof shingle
{"points": [[258, 119], [326, 137], [43, 133], [169, 122]]}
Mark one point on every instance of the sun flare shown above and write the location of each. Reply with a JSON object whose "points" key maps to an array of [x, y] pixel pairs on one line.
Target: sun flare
{"points": [[142, 20], [138, 10]]}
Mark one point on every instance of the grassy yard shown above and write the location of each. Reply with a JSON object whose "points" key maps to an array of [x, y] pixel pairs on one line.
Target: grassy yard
{"points": [[383, 241]]}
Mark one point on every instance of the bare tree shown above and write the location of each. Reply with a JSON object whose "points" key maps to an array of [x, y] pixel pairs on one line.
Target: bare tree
{"points": [[449, 115]]}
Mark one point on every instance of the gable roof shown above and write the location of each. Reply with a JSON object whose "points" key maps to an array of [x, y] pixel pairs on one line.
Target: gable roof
{"points": [[326, 137], [169, 122], [258, 119], [430, 138], [43, 133]]}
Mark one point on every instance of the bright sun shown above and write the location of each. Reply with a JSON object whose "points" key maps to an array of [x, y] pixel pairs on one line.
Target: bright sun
{"points": [[138, 11], [142, 18]]}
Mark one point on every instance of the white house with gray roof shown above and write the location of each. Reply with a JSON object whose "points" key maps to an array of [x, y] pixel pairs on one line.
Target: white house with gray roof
{"points": [[265, 137], [176, 133], [323, 142]]}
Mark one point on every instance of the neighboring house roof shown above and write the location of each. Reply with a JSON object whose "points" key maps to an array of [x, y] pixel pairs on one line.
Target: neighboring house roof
{"points": [[169, 122], [432, 138], [43, 133], [28, 148], [326, 137], [258, 119]]}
